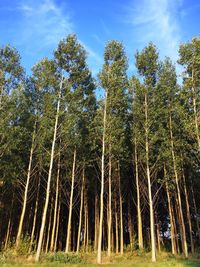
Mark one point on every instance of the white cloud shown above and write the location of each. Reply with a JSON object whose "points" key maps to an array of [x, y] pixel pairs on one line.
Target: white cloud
{"points": [[156, 20], [44, 24]]}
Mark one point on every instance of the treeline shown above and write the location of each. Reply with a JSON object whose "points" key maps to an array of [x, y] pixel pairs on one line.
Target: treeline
{"points": [[79, 173]]}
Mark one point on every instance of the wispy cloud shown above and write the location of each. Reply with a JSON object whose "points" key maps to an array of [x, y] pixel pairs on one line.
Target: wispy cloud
{"points": [[156, 20], [44, 24], [94, 59]]}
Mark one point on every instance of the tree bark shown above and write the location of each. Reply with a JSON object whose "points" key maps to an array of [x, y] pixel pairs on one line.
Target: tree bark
{"points": [[70, 205], [188, 214], [140, 235], [102, 185], [19, 232], [49, 177], [152, 227], [109, 203], [116, 227], [121, 213], [185, 248], [55, 207], [173, 242], [35, 216], [80, 212]]}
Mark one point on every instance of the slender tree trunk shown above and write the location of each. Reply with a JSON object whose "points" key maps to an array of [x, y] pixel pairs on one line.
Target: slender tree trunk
{"points": [[80, 212], [102, 185], [70, 205], [185, 249], [19, 232], [152, 227], [35, 217], [87, 229], [196, 119], [96, 222], [158, 232], [8, 232], [109, 203], [121, 213], [116, 228], [57, 226], [140, 235], [49, 228], [195, 210], [175, 232], [49, 178], [55, 207], [173, 242], [130, 225], [188, 214]]}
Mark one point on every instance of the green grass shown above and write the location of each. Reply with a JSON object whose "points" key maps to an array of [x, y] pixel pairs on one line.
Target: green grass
{"points": [[89, 260]]}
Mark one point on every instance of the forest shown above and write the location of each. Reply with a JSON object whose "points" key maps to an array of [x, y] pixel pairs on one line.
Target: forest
{"points": [[81, 173]]}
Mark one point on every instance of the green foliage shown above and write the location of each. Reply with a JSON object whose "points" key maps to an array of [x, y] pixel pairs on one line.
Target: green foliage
{"points": [[62, 257]]}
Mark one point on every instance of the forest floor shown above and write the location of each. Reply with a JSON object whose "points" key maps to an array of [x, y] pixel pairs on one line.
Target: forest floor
{"points": [[89, 260]]}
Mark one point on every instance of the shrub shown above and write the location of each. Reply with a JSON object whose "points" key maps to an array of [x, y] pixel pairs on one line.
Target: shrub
{"points": [[62, 257]]}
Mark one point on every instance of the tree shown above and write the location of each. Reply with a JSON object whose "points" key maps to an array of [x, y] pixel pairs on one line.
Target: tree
{"points": [[147, 65]]}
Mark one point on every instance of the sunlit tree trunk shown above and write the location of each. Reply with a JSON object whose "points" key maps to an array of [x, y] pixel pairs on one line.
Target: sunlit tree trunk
{"points": [[25, 197], [102, 185], [185, 249], [121, 213], [49, 178], [70, 205], [109, 203], [116, 227], [173, 242], [139, 216], [195, 210], [80, 212], [188, 214], [35, 216], [57, 226], [49, 228], [55, 208], [152, 227], [96, 222]]}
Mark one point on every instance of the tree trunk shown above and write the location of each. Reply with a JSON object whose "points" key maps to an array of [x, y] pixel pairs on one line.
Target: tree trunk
{"points": [[80, 212], [96, 222], [152, 227], [35, 216], [109, 203], [49, 178], [70, 205], [8, 232], [158, 232], [121, 213], [188, 214], [102, 185], [195, 210], [57, 226], [49, 228], [185, 249], [19, 232], [55, 207], [196, 119], [173, 242], [116, 228], [130, 225], [140, 235]]}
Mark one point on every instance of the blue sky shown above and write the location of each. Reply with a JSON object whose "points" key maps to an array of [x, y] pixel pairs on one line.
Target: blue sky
{"points": [[35, 27]]}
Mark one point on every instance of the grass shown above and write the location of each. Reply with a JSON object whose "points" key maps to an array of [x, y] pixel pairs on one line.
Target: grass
{"points": [[89, 260]]}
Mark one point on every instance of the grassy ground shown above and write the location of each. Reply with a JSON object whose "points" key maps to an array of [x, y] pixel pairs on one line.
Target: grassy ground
{"points": [[89, 260]]}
